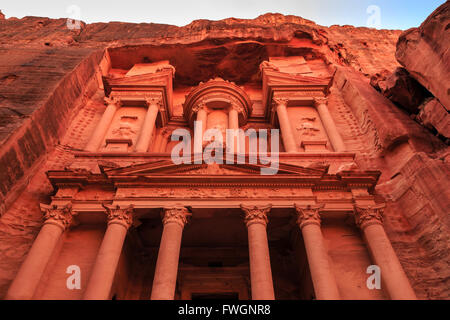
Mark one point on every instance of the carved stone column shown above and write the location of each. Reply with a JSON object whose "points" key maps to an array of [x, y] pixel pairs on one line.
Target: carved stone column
{"points": [[101, 128], [143, 143], [162, 140], [370, 221], [233, 124], [165, 278], [285, 125], [202, 118], [308, 219], [102, 276], [258, 246], [329, 125], [57, 220]]}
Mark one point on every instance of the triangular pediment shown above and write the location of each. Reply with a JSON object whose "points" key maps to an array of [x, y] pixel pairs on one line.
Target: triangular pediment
{"points": [[167, 167], [277, 78], [161, 78]]}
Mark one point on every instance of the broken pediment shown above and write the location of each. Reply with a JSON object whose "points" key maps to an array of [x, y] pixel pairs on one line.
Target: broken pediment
{"points": [[167, 167]]}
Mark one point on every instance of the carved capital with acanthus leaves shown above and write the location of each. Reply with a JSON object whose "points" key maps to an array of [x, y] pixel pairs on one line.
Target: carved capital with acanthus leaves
{"points": [[155, 101], [318, 101], [113, 101], [199, 106], [179, 215], [59, 215], [237, 107], [308, 214], [256, 214], [366, 215], [119, 215]]}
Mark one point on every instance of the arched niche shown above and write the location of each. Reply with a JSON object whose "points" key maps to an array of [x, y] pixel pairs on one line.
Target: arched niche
{"points": [[215, 95]]}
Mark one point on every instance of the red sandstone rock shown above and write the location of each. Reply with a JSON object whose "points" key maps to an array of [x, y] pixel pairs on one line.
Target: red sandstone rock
{"points": [[51, 101], [424, 53], [434, 115], [402, 89], [2, 16]]}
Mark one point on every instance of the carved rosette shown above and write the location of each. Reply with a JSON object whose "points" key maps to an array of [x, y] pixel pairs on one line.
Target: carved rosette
{"points": [[308, 214], [369, 215], [256, 214], [122, 216], [62, 216], [179, 215]]}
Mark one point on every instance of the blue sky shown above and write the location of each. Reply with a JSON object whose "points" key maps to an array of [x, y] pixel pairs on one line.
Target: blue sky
{"points": [[388, 14]]}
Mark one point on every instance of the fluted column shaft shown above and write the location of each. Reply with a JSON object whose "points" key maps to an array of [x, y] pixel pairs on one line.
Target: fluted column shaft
{"points": [[102, 276], [393, 277], [165, 278], [148, 126], [324, 282], [329, 125], [101, 128], [24, 285], [285, 125], [260, 270]]}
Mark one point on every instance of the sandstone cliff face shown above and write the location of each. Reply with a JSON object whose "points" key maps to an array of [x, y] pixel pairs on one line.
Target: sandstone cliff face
{"points": [[50, 93], [424, 53]]}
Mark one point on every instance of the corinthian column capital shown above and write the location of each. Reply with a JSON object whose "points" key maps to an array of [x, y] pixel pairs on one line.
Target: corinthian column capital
{"points": [[308, 214], [368, 215], [256, 214], [62, 216], [113, 100], [280, 101], [154, 101], [199, 106], [237, 107], [122, 216], [179, 215], [320, 100]]}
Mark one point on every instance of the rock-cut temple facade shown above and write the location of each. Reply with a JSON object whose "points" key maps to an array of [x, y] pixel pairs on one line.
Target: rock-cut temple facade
{"points": [[95, 205]]}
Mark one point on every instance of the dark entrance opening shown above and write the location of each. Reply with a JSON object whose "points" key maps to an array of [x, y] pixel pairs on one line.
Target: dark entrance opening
{"points": [[216, 296]]}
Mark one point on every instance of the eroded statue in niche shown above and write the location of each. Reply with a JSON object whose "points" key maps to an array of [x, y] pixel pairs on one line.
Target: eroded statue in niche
{"points": [[126, 128]]}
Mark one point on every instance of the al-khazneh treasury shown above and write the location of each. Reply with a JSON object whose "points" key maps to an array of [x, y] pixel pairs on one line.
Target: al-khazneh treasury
{"points": [[139, 226]]}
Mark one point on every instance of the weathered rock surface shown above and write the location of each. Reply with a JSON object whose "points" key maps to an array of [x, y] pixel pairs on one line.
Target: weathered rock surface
{"points": [[425, 53], [402, 89], [434, 116]]}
